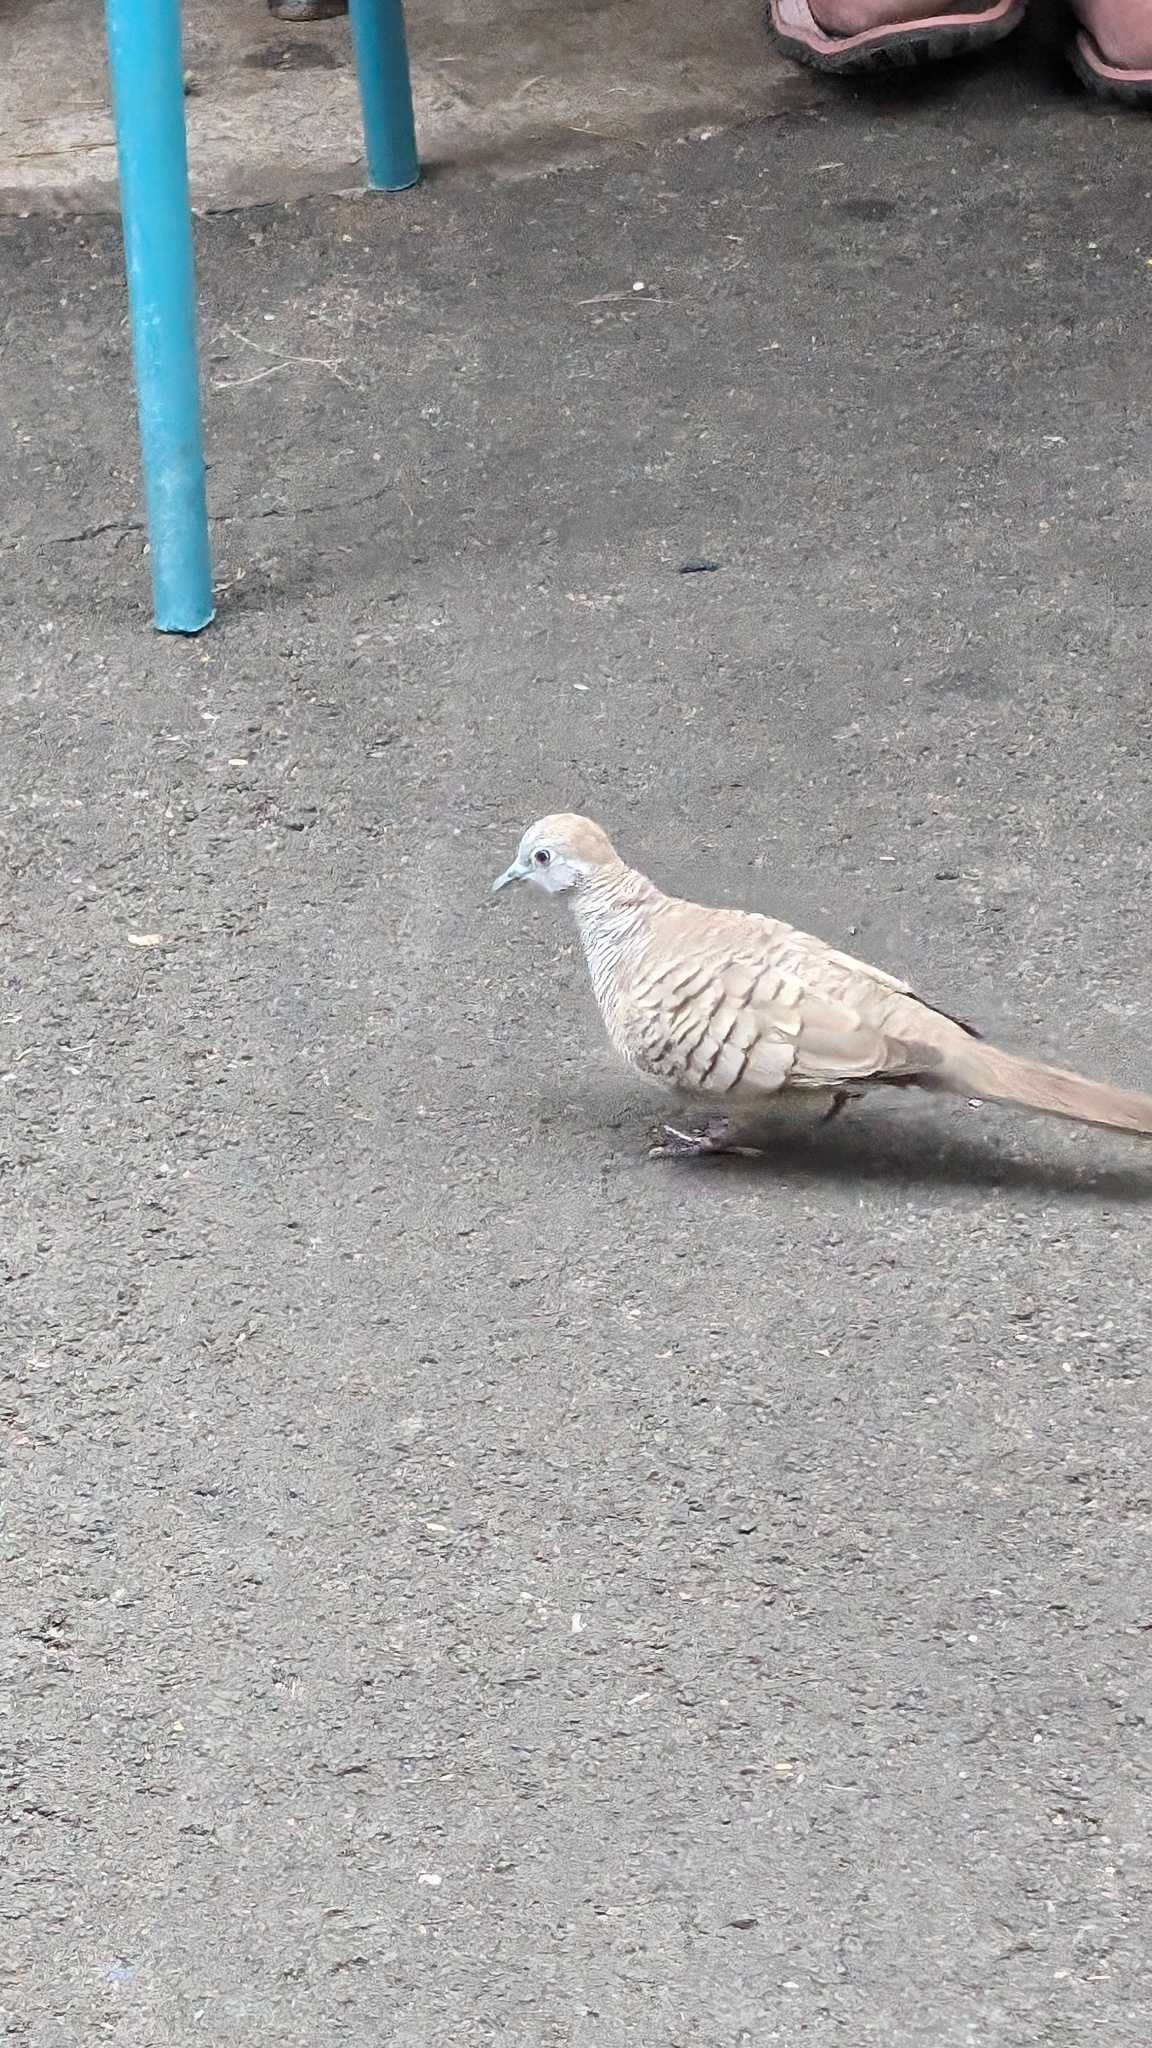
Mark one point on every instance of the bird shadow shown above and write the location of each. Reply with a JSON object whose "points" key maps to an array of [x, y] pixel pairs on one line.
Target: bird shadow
{"points": [[921, 1154]]}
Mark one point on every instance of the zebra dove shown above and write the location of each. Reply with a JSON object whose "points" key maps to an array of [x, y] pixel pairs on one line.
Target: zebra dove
{"points": [[730, 1008]]}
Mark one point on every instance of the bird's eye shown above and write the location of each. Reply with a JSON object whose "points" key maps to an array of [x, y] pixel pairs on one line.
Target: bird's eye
{"points": [[541, 856]]}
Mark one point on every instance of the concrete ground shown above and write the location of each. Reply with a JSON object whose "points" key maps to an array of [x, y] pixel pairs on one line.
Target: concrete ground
{"points": [[503, 88], [467, 1584]]}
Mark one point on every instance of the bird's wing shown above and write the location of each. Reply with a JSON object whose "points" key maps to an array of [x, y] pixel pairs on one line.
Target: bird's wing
{"points": [[850, 980], [712, 1008]]}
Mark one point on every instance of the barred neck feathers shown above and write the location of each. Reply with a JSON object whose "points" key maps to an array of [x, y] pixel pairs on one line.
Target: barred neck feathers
{"points": [[613, 911]]}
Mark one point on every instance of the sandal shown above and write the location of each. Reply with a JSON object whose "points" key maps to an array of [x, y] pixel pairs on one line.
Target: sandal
{"points": [[862, 35], [1112, 52]]}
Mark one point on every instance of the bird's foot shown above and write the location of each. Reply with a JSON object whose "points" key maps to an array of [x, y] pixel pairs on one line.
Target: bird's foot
{"points": [[715, 1136]]}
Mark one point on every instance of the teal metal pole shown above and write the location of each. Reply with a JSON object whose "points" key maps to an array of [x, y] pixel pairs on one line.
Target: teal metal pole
{"points": [[144, 59], [380, 45]]}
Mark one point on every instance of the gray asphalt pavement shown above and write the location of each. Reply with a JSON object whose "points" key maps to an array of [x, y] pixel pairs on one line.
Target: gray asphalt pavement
{"points": [[468, 1584]]}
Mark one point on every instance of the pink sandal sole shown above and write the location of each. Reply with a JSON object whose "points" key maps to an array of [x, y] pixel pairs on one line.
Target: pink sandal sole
{"points": [[1111, 81], [906, 42]]}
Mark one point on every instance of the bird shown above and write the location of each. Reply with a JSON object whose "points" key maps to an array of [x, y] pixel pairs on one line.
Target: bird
{"points": [[739, 1013]]}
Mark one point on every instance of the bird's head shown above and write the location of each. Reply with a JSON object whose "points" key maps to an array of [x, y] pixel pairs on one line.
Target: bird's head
{"points": [[559, 854]]}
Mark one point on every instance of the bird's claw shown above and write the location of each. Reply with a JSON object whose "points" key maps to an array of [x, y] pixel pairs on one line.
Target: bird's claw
{"points": [[716, 1137]]}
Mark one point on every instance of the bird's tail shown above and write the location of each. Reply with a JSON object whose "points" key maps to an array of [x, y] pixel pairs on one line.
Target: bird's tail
{"points": [[983, 1070]]}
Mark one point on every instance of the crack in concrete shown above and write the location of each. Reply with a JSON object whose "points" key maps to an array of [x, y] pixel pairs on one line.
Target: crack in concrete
{"points": [[235, 518]]}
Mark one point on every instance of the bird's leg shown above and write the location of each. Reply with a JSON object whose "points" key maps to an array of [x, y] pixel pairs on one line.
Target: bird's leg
{"points": [[717, 1135], [720, 1133], [840, 1100]]}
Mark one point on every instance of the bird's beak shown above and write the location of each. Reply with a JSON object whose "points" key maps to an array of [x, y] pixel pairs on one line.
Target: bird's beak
{"points": [[515, 873]]}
